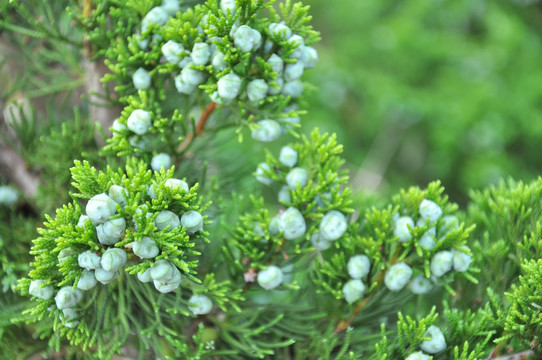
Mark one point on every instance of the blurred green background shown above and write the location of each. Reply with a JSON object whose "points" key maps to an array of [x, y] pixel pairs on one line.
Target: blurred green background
{"points": [[431, 89]]}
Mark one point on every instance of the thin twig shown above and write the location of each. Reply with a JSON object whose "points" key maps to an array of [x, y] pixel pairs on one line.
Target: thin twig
{"points": [[199, 127], [517, 356]]}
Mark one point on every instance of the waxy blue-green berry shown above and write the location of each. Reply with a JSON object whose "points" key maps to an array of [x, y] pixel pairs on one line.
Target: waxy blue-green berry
{"points": [[139, 121], [271, 277], [111, 231], [397, 276], [441, 263], [333, 225], [118, 194], [104, 276], [267, 130], [353, 290], [200, 304], [87, 280], [192, 221], [37, 289], [100, 208], [146, 248], [141, 79], [88, 260], [292, 224], [68, 297], [113, 259], [358, 266], [297, 177], [166, 219], [436, 343], [70, 315]]}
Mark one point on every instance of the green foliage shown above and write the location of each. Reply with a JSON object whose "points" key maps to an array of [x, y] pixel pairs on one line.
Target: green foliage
{"points": [[272, 270], [524, 318]]}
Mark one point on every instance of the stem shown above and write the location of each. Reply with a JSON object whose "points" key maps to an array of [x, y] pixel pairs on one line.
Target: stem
{"points": [[344, 324], [199, 127]]}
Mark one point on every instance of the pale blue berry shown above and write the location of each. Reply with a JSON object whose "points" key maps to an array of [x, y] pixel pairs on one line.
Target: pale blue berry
{"points": [[157, 16], [118, 127], [192, 76], [297, 177], [292, 224], [105, 276], [441, 263], [398, 276], [145, 276], [353, 290], [246, 39], [8, 195], [161, 161], [293, 89], [113, 259], [192, 221], [182, 86], [67, 297], [139, 121], [420, 285], [271, 277], [267, 130], [166, 277], [293, 71], [82, 221], [200, 304], [170, 284], [145, 248], [166, 219], [141, 79], [436, 342], [171, 7], [309, 57], [418, 355], [299, 44], [402, 230], [219, 61], [172, 51], [111, 231], [261, 171], [276, 86], [201, 53], [276, 63], [319, 242], [87, 280], [38, 289], [333, 225], [88, 260], [257, 90], [228, 86], [100, 208], [427, 241], [461, 260], [288, 156], [227, 5], [70, 316], [118, 194], [358, 266], [279, 31], [177, 184], [162, 270], [430, 210], [284, 195]]}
